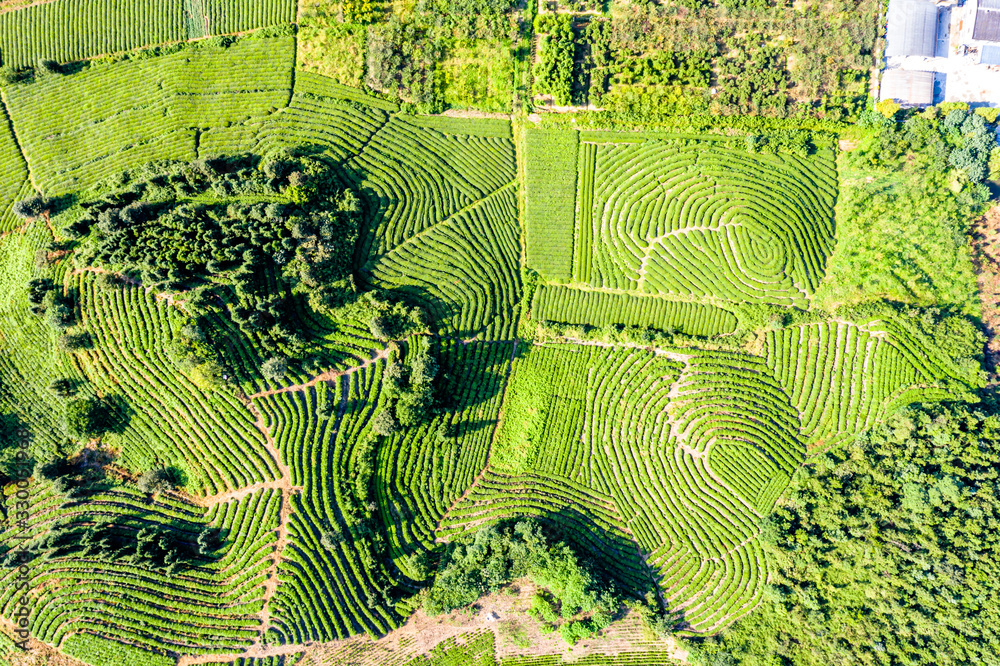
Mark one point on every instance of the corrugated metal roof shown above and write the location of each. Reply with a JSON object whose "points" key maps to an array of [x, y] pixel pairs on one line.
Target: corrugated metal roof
{"points": [[911, 28], [989, 55], [907, 87], [987, 26]]}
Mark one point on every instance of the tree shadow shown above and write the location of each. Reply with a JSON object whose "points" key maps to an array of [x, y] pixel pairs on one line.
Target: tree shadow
{"points": [[614, 556], [119, 413]]}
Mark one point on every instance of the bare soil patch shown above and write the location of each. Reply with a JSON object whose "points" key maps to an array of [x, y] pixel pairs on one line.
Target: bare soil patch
{"points": [[504, 614], [986, 259]]}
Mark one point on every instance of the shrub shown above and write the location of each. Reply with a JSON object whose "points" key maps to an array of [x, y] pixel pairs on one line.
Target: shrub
{"points": [[62, 387], [107, 281], [30, 208], [275, 368], [155, 481], [888, 108], [87, 418], [990, 113], [72, 342], [385, 424], [58, 310]]}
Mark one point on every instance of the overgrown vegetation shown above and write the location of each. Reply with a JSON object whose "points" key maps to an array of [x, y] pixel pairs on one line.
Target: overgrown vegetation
{"points": [[572, 600], [884, 551], [908, 194]]}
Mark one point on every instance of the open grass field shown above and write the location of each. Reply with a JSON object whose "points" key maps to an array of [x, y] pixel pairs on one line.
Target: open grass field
{"points": [[327, 343]]}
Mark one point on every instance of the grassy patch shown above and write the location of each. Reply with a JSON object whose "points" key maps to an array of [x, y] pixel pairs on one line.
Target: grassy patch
{"points": [[902, 236], [479, 74], [331, 49]]}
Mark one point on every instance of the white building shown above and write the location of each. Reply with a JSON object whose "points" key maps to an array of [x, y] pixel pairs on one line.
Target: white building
{"points": [[951, 48]]}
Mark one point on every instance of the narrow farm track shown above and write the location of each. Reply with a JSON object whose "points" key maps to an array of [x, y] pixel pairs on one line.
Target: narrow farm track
{"points": [[241, 493], [327, 376], [284, 483]]}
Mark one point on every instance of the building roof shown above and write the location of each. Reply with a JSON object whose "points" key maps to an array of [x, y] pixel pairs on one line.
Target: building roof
{"points": [[989, 55], [912, 28], [987, 26], [907, 87]]}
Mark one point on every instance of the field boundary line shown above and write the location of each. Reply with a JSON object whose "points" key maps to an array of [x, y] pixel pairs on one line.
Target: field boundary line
{"points": [[447, 220], [17, 141]]}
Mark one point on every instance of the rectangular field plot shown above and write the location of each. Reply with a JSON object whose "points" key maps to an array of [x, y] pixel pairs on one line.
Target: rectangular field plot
{"points": [[550, 190], [78, 128], [678, 215], [66, 30], [595, 308], [70, 30]]}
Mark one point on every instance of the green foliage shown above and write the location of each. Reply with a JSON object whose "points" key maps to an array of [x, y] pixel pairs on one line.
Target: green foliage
{"points": [[87, 418], [883, 551], [753, 77], [554, 71], [179, 90], [901, 227], [401, 60], [62, 387], [275, 368], [627, 236], [70, 30], [186, 224], [73, 342], [99, 651], [30, 208], [976, 141], [497, 555], [155, 481]]}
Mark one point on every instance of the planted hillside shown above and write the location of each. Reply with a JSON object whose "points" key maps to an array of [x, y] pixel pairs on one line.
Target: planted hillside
{"points": [[639, 354], [181, 227]]}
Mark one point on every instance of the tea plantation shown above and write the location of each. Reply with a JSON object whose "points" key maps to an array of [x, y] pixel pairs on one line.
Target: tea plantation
{"points": [[288, 368]]}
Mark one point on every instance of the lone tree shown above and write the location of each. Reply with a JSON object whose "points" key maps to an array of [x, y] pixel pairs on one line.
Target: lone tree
{"points": [[155, 481], [73, 342], [62, 387], [87, 418], [275, 368], [385, 424], [33, 207]]}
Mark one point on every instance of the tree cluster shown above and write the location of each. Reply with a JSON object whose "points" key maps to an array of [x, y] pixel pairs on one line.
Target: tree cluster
{"points": [[885, 552], [409, 389], [554, 70], [961, 139], [183, 226], [975, 139], [752, 76], [88, 417], [154, 548], [401, 60], [574, 599]]}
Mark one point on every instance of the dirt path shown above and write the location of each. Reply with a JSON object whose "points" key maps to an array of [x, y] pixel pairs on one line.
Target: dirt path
{"points": [[327, 376], [240, 493], [284, 484], [986, 259], [495, 613]]}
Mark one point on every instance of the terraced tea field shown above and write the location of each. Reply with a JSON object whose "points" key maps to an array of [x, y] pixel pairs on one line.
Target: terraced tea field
{"points": [[678, 217], [613, 334]]}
